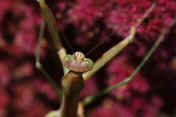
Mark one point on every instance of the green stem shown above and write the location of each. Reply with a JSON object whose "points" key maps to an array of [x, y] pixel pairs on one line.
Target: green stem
{"points": [[90, 99]]}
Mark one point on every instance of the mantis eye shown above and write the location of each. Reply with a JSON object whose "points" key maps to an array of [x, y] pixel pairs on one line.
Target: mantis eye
{"points": [[68, 58], [89, 62], [78, 63], [78, 56]]}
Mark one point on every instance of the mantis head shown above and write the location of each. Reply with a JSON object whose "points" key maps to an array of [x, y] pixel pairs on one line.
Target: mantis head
{"points": [[78, 62]]}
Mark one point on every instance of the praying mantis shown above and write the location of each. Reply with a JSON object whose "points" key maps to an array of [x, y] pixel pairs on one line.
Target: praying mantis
{"points": [[77, 68]]}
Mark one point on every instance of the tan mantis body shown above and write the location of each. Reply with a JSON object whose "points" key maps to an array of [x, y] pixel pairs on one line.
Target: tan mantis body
{"points": [[77, 64]]}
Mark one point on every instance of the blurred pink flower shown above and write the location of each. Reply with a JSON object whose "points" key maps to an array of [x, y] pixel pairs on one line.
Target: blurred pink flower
{"points": [[89, 89]]}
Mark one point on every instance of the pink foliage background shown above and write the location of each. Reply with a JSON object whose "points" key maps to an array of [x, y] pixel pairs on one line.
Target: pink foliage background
{"points": [[82, 24]]}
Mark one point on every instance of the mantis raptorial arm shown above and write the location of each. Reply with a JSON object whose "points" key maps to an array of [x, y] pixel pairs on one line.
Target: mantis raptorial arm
{"points": [[107, 56], [40, 67], [76, 64], [90, 99], [51, 21]]}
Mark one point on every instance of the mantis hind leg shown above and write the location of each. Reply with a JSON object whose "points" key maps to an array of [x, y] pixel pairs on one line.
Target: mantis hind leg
{"points": [[39, 65], [90, 99]]}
